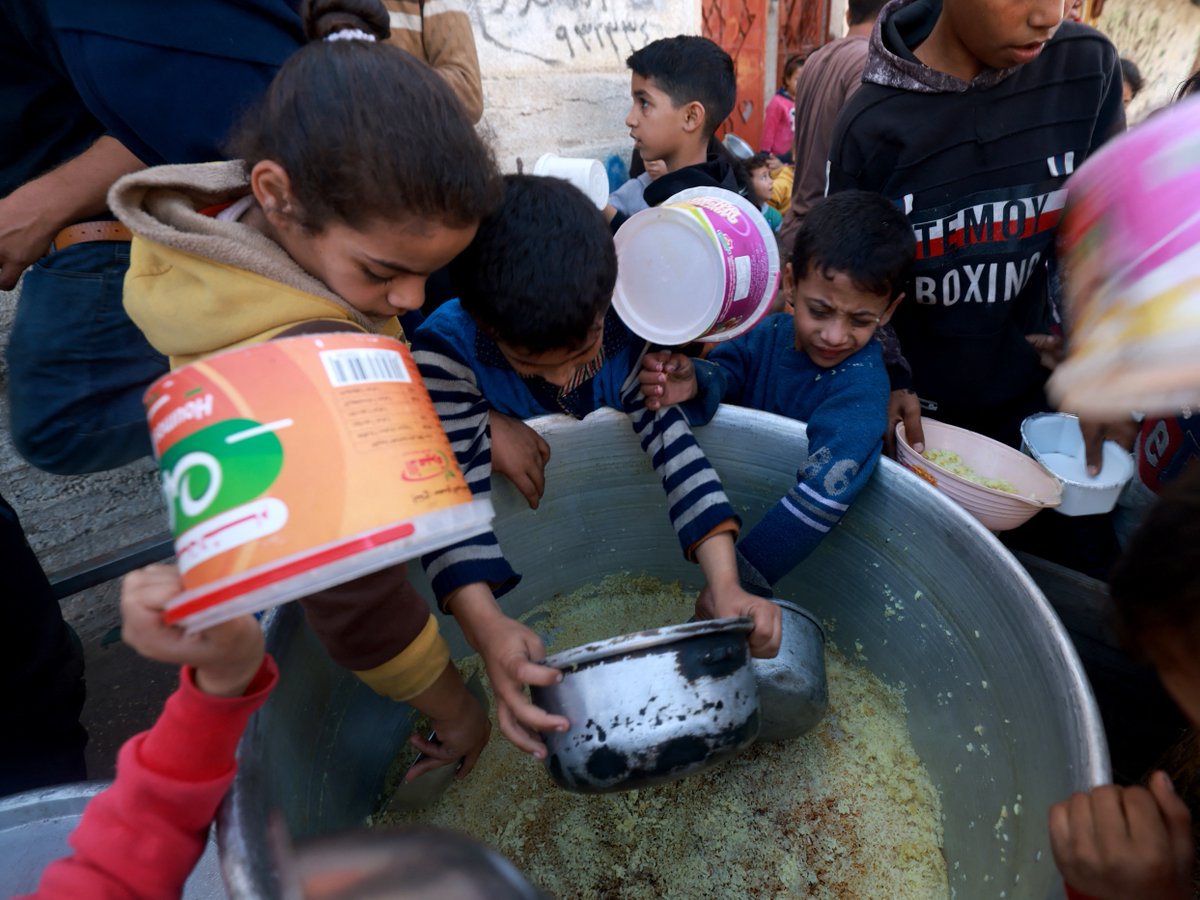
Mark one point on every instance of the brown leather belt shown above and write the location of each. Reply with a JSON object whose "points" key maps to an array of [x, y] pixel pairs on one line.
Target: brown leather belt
{"points": [[87, 232]]}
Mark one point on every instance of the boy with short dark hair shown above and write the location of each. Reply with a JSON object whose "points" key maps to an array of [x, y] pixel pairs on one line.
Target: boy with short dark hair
{"points": [[971, 117], [821, 365], [534, 333], [683, 88]]}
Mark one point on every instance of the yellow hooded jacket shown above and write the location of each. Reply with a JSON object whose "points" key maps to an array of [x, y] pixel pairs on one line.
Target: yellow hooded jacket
{"points": [[197, 286]]}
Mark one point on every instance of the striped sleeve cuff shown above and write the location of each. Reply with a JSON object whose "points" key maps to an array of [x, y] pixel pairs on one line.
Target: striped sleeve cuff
{"points": [[695, 499], [476, 560], [790, 531]]}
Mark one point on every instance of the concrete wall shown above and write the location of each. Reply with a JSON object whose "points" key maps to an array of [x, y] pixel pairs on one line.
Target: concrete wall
{"points": [[554, 73], [837, 17], [1162, 37]]}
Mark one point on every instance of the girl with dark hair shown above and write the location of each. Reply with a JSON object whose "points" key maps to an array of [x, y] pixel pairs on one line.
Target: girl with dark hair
{"points": [[779, 118], [360, 175]]}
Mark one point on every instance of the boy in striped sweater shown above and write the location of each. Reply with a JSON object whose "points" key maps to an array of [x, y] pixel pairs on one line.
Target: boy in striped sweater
{"points": [[533, 333], [820, 365]]}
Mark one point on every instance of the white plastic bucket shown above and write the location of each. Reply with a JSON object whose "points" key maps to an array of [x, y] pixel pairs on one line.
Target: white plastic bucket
{"points": [[589, 175], [1130, 245], [703, 266]]}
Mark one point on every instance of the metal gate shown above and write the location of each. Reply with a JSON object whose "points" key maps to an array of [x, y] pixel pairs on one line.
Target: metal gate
{"points": [[803, 27], [740, 27]]}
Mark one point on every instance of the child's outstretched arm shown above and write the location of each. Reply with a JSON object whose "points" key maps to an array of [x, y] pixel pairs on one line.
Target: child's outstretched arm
{"points": [[461, 725], [724, 597], [468, 576], [509, 650], [170, 779], [700, 512], [1119, 842], [465, 416], [380, 628], [844, 444]]}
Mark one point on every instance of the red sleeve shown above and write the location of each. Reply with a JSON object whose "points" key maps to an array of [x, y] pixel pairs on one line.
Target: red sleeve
{"points": [[143, 835], [1073, 894]]}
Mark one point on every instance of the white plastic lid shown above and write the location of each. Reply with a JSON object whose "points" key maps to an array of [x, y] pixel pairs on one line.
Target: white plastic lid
{"points": [[670, 280]]}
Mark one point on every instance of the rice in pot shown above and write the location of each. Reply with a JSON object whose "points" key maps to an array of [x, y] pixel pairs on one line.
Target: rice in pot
{"points": [[846, 811]]}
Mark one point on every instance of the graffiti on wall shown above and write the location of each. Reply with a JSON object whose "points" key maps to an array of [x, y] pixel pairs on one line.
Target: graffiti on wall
{"points": [[582, 33]]}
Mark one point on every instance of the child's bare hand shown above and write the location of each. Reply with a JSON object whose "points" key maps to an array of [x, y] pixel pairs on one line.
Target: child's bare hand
{"points": [[1049, 349], [462, 733], [508, 649], [667, 379], [655, 168], [731, 601], [520, 454], [1118, 842], [904, 406], [226, 657], [1096, 432]]}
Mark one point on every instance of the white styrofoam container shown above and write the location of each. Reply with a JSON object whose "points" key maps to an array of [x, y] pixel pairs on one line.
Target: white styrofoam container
{"points": [[1056, 441]]}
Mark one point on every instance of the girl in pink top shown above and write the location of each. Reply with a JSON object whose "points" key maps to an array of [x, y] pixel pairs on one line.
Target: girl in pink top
{"points": [[779, 121]]}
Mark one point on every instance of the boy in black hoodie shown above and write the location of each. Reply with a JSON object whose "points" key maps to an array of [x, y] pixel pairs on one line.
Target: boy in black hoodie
{"points": [[972, 115], [683, 88]]}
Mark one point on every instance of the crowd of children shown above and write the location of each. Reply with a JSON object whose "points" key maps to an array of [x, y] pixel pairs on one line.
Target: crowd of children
{"points": [[920, 281]]}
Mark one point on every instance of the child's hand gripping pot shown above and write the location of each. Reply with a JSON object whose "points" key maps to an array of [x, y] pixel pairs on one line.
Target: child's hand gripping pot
{"points": [[1117, 842], [724, 597], [667, 379], [508, 649]]}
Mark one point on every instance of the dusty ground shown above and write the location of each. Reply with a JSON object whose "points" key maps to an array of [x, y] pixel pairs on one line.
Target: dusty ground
{"points": [[71, 519]]}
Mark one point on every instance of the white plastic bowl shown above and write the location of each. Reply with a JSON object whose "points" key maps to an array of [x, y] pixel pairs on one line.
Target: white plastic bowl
{"points": [[1056, 441], [997, 510]]}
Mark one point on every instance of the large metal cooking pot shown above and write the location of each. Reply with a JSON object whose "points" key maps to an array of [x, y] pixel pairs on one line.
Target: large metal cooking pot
{"points": [[35, 825], [908, 583], [650, 707], [792, 691]]}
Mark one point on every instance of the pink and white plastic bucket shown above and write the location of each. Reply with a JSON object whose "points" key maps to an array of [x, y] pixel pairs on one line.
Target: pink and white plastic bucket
{"points": [[1130, 242], [703, 266]]}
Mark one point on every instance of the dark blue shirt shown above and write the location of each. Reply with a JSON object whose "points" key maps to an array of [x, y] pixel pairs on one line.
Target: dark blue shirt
{"points": [[169, 81], [42, 118]]}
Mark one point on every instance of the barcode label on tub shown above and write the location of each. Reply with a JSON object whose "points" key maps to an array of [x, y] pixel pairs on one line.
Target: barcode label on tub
{"points": [[363, 366], [741, 271]]}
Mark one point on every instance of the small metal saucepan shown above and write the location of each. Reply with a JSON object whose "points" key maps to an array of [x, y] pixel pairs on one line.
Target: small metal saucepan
{"points": [[651, 707], [792, 690]]}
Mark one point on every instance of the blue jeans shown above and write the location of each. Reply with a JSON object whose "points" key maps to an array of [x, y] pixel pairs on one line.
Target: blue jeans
{"points": [[77, 366]]}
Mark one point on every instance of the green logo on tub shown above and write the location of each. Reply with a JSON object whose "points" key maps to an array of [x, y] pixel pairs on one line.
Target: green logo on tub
{"points": [[218, 468]]}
